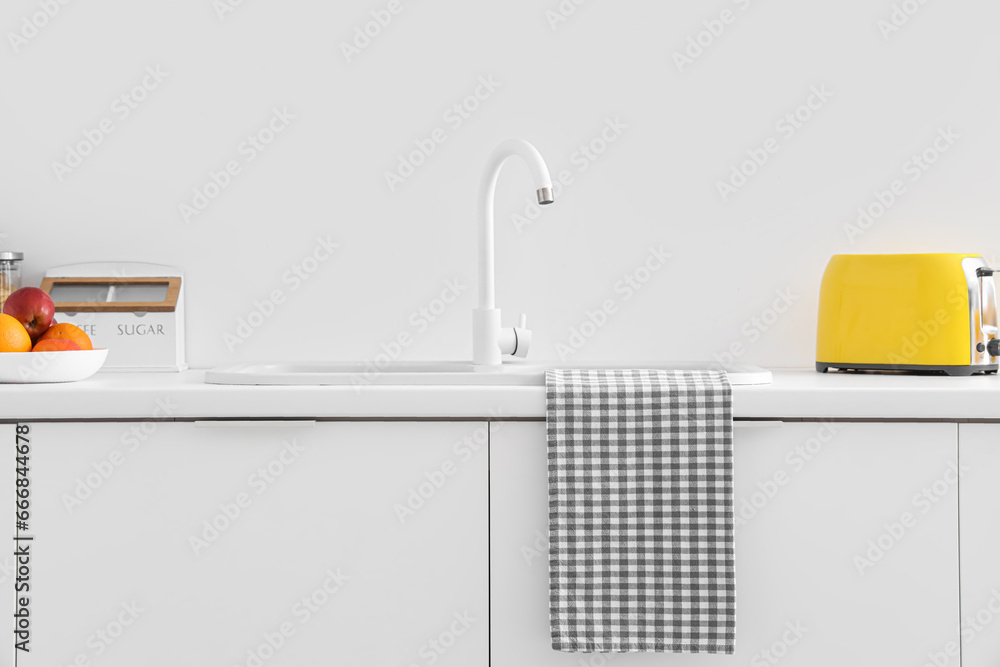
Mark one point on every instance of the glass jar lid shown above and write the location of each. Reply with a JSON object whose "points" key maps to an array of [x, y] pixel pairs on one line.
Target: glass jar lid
{"points": [[8, 256]]}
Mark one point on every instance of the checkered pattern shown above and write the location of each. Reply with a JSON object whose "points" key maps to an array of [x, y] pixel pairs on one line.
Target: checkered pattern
{"points": [[641, 511]]}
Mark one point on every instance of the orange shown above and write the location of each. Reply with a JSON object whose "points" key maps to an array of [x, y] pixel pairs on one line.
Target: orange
{"points": [[68, 332], [55, 345], [13, 336]]}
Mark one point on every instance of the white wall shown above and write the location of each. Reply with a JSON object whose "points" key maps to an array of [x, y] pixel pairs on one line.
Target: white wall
{"points": [[654, 186]]}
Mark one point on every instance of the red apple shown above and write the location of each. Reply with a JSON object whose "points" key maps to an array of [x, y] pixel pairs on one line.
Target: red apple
{"points": [[33, 308]]}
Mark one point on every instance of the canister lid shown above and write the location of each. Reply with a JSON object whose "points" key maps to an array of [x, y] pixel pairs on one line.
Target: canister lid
{"points": [[8, 256]]}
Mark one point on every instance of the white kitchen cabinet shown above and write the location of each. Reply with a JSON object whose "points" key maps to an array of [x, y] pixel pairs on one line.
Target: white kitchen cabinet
{"points": [[814, 586], [166, 544], [979, 454]]}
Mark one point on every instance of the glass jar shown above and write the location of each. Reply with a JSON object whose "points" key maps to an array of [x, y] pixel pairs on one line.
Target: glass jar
{"points": [[10, 274]]}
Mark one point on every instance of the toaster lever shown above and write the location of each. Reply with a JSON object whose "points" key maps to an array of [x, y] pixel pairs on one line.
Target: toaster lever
{"points": [[993, 347]]}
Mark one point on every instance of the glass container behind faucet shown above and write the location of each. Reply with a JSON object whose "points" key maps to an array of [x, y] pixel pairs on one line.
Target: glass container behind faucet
{"points": [[10, 274]]}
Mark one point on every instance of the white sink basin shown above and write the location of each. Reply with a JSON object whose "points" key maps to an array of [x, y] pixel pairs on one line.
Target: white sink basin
{"points": [[440, 373]]}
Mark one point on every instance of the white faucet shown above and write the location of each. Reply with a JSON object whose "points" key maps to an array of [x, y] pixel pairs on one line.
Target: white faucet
{"points": [[489, 340]]}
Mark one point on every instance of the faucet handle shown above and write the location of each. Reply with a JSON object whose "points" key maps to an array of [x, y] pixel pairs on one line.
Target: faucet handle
{"points": [[522, 337], [522, 342], [515, 340]]}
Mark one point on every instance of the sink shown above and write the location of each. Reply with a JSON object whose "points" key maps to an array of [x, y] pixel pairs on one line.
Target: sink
{"points": [[491, 343], [441, 373]]}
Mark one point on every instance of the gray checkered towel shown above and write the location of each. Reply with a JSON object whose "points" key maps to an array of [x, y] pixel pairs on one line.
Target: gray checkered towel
{"points": [[641, 511]]}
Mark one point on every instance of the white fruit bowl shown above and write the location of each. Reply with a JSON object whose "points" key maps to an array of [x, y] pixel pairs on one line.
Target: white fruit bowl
{"points": [[36, 367]]}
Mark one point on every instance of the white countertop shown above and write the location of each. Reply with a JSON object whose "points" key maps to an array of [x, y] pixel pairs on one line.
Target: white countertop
{"points": [[794, 394]]}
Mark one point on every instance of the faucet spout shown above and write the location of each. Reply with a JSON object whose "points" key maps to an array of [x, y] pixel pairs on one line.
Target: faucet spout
{"points": [[487, 194], [486, 348]]}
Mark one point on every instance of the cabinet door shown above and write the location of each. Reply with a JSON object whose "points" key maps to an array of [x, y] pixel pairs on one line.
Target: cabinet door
{"points": [[846, 549], [166, 544], [979, 453]]}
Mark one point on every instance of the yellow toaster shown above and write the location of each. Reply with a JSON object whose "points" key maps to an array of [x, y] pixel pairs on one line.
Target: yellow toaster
{"points": [[929, 312]]}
